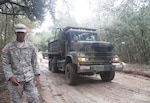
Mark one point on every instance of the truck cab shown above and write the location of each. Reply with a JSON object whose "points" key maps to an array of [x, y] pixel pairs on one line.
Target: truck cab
{"points": [[77, 51]]}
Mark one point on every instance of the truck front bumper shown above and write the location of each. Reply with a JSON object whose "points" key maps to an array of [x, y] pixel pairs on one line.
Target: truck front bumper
{"points": [[100, 68]]}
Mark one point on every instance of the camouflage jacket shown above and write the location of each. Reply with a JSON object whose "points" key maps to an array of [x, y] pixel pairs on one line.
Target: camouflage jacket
{"points": [[20, 62]]}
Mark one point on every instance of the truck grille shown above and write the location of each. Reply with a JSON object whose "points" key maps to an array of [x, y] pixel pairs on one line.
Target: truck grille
{"points": [[98, 53]]}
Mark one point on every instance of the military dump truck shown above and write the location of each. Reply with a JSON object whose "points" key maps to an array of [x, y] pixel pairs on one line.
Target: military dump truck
{"points": [[77, 51]]}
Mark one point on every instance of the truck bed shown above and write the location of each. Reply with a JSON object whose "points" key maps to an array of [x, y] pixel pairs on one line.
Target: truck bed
{"points": [[53, 47]]}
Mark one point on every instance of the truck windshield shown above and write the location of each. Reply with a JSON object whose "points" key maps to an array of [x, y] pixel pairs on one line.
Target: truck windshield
{"points": [[83, 36]]}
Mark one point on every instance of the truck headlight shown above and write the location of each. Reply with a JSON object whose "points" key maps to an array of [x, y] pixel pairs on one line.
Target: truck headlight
{"points": [[82, 59], [115, 59]]}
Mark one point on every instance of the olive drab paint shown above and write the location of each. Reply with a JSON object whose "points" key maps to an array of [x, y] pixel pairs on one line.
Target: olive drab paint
{"points": [[77, 50]]}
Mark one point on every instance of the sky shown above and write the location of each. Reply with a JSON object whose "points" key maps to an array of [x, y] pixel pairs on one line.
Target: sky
{"points": [[83, 9], [80, 9]]}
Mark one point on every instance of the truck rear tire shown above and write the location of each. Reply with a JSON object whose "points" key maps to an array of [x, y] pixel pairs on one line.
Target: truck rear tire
{"points": [[71, 74], [53, 65], [107, 76]]}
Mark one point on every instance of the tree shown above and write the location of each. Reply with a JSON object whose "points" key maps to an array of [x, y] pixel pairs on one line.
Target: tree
{"points": [[15, 11], [33, 9], [130, 24]]}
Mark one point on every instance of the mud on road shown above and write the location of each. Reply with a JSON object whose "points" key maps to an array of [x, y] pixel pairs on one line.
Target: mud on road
{"points": [[125, 88]]}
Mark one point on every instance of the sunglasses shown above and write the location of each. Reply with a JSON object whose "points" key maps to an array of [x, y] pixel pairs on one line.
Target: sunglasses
{"points": [[20, 32]]}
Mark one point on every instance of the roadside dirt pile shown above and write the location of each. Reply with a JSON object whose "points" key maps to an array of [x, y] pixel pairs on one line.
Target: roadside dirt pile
{"points": [[137, 69]]}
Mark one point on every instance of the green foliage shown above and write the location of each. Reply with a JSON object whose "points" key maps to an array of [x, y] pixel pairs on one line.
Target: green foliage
{"points": [[20, 11], [40, 40], [133, 28], [127, 23], [64, 20], [33, 9], [7, 28]]}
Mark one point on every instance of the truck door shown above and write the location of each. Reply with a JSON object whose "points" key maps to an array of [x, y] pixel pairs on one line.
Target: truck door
{"points": [[67, 43]]}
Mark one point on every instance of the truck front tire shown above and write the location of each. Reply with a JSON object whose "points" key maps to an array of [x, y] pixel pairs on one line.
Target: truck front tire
{"points": [[71, 74], [107, 75]]}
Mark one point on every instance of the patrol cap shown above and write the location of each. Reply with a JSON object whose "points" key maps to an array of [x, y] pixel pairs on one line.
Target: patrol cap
{"points": [[20, 28]]}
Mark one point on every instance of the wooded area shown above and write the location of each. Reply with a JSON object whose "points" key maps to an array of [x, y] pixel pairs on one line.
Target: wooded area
{"points": [[128, 22]]}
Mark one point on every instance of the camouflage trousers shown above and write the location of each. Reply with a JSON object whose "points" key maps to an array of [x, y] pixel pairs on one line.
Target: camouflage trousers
{"points": [[27, 88]]}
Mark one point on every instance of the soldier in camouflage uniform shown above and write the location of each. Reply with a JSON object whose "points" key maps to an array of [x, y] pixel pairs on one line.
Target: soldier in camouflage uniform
{"points": [[21, 68]]}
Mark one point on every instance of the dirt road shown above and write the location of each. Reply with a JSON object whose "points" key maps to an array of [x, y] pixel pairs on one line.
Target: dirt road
{"points": [[125, 88]]}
